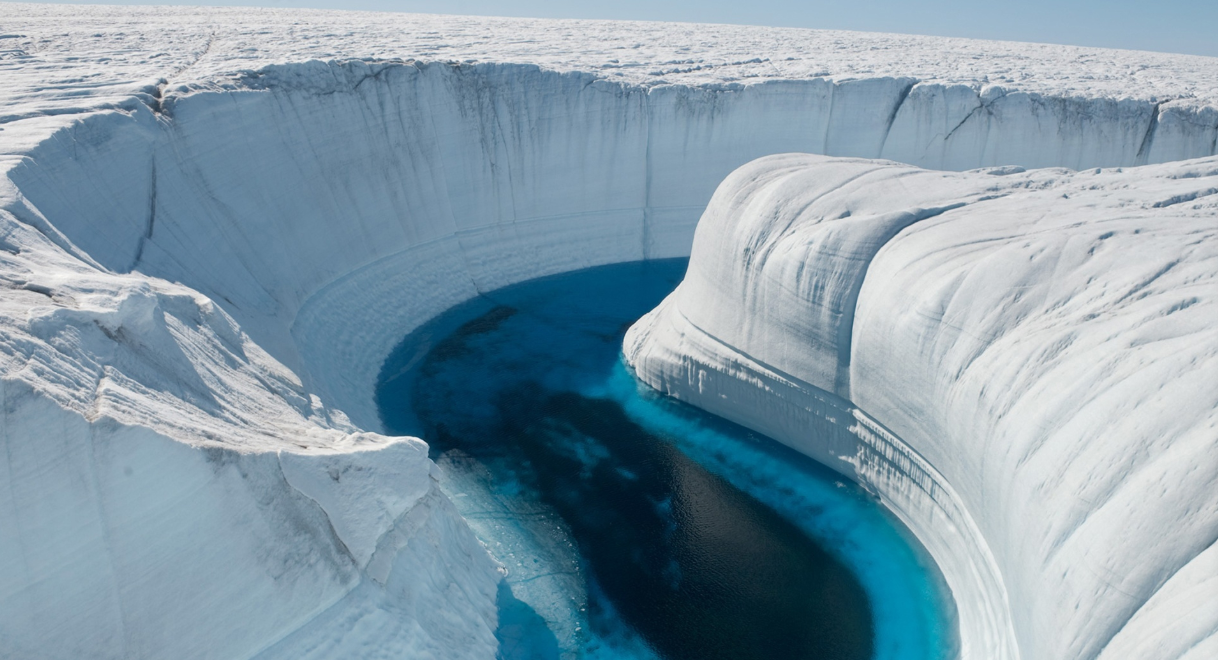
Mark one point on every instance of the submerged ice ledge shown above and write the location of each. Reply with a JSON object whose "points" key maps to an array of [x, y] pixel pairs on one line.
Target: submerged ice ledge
{"points": [[197, 257]]}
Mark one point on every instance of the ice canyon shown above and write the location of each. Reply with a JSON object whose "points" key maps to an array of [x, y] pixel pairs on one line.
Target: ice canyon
{"points": [[985, 270]]}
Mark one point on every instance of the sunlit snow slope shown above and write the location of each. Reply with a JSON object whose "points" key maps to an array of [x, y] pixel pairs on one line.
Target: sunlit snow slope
{"points": [[215, 224]]}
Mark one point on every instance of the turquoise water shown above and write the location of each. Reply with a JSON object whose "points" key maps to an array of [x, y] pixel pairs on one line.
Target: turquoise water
{"points": [[633, 526]]}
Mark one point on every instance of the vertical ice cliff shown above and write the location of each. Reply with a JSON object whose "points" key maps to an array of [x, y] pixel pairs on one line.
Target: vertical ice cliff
{"points": [[1031, 355], [215, 224], [300, 195]]}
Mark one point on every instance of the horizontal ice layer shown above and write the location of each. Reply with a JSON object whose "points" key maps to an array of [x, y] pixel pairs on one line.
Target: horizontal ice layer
{"points": [[1041, 346], [207, 240]]}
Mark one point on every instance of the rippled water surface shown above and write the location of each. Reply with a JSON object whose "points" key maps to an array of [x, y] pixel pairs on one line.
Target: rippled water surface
{"points": [[633, 526]]}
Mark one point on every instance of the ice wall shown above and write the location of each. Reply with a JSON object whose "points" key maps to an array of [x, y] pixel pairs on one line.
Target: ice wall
{"points": [[302, 196], [170, 490], [1031, 355], [225, 263]]}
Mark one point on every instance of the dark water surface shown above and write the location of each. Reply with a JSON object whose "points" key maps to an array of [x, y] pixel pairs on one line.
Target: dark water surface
{"points": [[523, 389]]}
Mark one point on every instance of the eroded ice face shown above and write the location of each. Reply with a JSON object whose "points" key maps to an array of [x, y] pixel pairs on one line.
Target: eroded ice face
{"points": [[548, 444]]}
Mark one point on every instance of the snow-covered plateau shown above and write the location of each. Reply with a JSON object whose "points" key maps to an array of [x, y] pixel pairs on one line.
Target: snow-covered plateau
{"points": [[216, 223]]}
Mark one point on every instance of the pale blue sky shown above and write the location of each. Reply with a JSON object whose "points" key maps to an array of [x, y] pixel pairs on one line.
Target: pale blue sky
{"points": [[1182, 26]]}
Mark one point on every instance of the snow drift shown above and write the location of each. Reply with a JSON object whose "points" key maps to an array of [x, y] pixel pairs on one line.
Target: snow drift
{"points": [[205, 267]]}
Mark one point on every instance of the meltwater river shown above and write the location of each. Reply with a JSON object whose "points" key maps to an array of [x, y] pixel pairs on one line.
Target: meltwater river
{"points": [[633, 526]]}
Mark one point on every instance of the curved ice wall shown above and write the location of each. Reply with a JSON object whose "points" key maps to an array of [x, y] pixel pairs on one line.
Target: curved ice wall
{"points": [[1042, 345], [304, 198], [244, 253]]}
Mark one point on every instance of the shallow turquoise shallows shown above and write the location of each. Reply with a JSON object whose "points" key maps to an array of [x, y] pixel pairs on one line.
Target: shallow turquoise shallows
{"points": [[633, 526]]}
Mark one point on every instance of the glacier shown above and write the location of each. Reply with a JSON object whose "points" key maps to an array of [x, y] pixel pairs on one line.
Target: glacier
{"points": [[215, 224], [1022, 366]]}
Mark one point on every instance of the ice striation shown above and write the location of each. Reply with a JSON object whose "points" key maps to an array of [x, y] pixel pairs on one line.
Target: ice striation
{"points": [[216, 223], [1020, 364]]}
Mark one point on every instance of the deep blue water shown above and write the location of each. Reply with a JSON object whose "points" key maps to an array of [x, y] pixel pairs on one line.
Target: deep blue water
{"points": [[633, 526]]}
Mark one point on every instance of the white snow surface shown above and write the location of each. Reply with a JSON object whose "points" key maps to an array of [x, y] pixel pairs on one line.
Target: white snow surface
{"points": [[216, 223], [1032, 356], [107, 49]]}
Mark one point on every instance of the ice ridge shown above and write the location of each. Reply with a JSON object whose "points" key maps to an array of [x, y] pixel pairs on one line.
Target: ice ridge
{"points": [[1023, 365]]}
